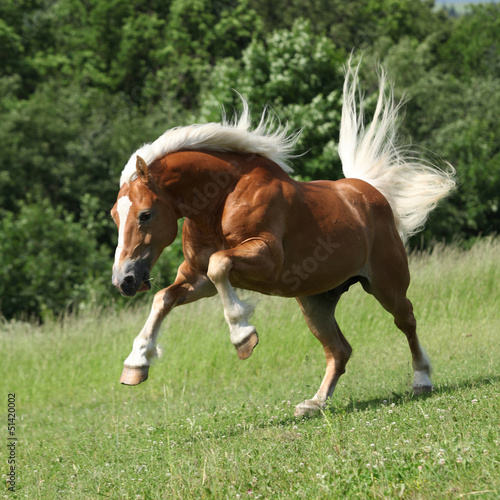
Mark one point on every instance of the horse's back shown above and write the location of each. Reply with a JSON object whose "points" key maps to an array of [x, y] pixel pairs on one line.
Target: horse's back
{"points": [[346, 206]]}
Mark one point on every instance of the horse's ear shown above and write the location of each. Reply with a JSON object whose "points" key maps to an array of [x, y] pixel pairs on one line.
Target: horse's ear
{"points": [[142, 169]]}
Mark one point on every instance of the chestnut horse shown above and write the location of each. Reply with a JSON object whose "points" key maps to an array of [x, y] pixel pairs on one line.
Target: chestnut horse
{"points": [[249, 225]]}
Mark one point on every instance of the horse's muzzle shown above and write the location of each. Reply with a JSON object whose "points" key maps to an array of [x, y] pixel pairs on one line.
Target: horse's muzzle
{"points": [[135, 279]]}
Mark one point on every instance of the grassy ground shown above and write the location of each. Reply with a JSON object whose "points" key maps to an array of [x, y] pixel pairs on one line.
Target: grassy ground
{"points": [[206, 425]]}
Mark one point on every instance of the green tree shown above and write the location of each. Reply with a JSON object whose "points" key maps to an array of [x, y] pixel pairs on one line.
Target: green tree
{"points": [[355, 25], [297, 73], [473, 48], [50, 262]]}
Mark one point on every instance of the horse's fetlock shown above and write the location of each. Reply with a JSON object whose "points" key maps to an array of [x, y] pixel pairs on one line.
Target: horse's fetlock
{"points": [[239, 313]]}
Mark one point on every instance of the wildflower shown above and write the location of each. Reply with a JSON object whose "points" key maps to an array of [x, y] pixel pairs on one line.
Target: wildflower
{"points": [[459, 459], [442, 461]]}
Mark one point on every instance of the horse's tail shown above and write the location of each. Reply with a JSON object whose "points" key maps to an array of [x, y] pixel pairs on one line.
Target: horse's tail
{"points": [[412, 186]]}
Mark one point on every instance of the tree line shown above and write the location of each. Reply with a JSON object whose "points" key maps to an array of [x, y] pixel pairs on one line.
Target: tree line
{"points": [[83, 83]]}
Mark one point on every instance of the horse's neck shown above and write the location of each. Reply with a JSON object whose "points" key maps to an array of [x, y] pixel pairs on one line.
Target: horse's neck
{"points": [[198, 183]]}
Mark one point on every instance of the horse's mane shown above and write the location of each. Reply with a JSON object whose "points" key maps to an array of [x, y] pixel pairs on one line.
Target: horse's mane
{"points": [[269, 139]]}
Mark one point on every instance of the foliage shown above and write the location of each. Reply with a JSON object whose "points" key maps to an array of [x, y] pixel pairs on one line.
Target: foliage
{"points": [[49, 261], [299, 75], [83, 84], [473, 46]]}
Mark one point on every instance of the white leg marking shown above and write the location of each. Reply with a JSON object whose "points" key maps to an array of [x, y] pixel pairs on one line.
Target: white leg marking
{"points": [[237, 314], [144, 348], [123, 208], [236, 311], [421, 374], [421, 379]]}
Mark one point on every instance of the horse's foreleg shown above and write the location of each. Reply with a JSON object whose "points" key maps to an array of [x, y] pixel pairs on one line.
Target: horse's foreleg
{"points": [[188, 286], [253, 259], [319, 313]]}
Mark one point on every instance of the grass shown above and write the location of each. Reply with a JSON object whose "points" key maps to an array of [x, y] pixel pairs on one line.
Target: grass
{"points": [[206, 425]]}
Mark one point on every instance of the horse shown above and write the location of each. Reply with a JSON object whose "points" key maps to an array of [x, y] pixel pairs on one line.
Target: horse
{"points": [[248, 224]]}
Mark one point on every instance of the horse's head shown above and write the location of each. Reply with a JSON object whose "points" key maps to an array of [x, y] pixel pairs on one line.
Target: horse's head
{"points": [[147, 223]]}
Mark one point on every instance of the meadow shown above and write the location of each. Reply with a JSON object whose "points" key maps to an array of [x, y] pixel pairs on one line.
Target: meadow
{"points": [[206, 425]]}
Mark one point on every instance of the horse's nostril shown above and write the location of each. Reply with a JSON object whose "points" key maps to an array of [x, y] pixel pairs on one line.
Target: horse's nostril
{"points": [[128, 280]]}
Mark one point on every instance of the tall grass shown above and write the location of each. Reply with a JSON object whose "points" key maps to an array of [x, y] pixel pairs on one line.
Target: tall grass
{"points": [[206, 425]]}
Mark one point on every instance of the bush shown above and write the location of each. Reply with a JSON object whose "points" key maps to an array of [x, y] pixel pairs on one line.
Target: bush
{"points": [[50, 262]]}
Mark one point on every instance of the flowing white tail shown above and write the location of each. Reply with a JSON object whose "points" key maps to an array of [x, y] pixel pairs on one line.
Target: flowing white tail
{"points": [[412, 186]]}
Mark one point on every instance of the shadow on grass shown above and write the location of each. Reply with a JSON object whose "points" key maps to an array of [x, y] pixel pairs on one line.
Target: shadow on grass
{"points": [[447, 388]]}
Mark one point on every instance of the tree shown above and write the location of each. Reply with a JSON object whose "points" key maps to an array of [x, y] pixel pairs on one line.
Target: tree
{"points": [[473, 48], [50, 263], [297, 73]]}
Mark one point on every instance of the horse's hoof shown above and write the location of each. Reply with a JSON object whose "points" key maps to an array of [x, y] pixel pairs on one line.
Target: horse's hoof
{"points": [[308, 408], [422, 389], [244, 349], [134, 375]]}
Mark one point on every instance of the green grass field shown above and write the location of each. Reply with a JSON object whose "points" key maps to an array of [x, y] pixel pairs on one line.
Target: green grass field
{"points": [[206, 425]]}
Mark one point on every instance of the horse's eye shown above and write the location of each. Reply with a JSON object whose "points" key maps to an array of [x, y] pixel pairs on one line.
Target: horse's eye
{"points": [[144, 217]]}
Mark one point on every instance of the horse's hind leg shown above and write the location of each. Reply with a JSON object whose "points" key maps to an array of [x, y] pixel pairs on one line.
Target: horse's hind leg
{"points": [[319, 313], [388, 282]]}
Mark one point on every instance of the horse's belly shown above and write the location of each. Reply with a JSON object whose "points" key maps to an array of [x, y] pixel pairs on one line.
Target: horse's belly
{"points": [[314, 264]]}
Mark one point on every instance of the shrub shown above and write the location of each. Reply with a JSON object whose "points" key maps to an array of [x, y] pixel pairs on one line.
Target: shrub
{"points": [[51, 263]]}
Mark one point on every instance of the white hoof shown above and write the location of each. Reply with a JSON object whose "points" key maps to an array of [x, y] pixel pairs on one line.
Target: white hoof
{"points": [[308, 407], [421, 383], [422, 389]]}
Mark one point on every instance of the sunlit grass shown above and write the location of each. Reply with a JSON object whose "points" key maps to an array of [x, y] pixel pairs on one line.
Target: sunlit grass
{"points": [[206, 425]]}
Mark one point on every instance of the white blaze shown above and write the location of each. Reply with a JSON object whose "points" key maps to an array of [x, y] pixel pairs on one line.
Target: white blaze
{"points": [[123, 207]]}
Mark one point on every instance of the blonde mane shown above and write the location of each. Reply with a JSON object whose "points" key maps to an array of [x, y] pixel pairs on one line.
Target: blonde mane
{"points": [[268, 139]]}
